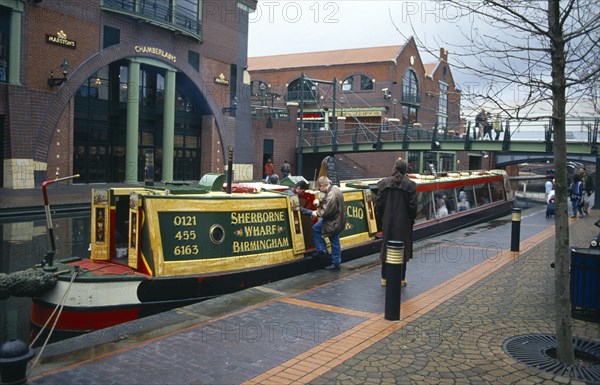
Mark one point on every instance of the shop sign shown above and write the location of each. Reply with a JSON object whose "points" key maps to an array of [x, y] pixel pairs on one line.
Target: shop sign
{"points": [[156, 51], [221, 80], [61, 39]]}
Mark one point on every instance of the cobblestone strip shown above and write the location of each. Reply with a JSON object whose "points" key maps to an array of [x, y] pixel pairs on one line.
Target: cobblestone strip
{"points": [[333, 352]]}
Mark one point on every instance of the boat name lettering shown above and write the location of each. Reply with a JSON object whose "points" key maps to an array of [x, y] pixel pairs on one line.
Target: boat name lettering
{"points": [[184, 220], [355, 212], [260, 245], [257, 217], [260, 231]]}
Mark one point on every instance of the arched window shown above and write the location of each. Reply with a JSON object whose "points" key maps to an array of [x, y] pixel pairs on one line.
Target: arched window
{"points": [[410, 97], [306, 93], [410, 87]]}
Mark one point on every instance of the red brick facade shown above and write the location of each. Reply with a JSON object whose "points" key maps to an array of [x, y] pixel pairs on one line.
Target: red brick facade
{"points": [[38, 120], [383, 102]]}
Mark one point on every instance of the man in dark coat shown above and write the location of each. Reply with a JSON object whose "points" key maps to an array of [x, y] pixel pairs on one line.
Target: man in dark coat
{"points": [[396, 210], [331, 213]]}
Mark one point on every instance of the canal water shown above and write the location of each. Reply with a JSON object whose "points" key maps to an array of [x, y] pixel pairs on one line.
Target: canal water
{"points": [[24, 244]]}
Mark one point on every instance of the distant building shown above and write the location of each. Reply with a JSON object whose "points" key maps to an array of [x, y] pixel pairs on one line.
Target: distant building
{"points": [[122, 91], [363, 87]]}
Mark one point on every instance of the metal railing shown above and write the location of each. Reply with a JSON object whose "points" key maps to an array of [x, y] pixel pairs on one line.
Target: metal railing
{"points": [[158, 11], [583, 130]]}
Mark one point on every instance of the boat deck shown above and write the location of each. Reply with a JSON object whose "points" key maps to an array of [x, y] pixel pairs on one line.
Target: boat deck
{"points": [[467, 293]]}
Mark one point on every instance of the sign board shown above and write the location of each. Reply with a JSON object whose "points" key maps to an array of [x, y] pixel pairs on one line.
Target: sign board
{"points": [[330, 170]]}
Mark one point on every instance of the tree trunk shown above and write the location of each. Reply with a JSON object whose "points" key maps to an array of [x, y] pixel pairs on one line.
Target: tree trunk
{"points": [[564, 323]]}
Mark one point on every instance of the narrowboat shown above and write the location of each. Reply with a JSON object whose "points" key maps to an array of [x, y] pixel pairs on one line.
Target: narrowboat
{"points": [[157, 248]]}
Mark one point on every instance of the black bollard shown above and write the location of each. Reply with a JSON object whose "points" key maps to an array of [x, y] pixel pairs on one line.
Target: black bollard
{"points": [[515, 238], [14, 355], [394, 260]]}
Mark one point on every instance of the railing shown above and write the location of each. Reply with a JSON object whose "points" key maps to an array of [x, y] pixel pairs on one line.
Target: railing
{"points": [[157, 11], [357, 133]]}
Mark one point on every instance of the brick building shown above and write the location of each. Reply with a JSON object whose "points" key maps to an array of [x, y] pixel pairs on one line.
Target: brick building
{"points": [[352, 90], [122, 91]]}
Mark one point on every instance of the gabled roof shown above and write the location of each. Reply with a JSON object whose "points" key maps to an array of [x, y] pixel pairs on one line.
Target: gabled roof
{"points": [[325, 58], [430, 68]]}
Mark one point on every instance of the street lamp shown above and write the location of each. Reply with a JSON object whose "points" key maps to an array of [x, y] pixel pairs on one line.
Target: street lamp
{"points": [[394, 102], [64, 67]]}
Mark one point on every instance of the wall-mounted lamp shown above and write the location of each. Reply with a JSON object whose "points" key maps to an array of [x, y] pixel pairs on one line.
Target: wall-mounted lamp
{"points": [[233, 108], [64, 67]]}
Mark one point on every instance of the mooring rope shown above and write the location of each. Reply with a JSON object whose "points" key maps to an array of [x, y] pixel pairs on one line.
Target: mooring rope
{"points": [[59, 307]]}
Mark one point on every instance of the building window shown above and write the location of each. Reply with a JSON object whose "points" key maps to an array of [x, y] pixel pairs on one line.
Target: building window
{"points": [[347, 84], [112, 36], [194, 60], [308, 92], [366, 83], [443, 106], [185, 14], [409, 114], [410, 87], [4, 39]]}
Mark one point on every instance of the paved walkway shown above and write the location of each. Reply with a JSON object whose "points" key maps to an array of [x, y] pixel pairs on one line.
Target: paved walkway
{"points": [[467, 293]]}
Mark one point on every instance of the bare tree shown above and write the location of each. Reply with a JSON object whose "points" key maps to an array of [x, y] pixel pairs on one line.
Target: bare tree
{"points": [[532, 59]]}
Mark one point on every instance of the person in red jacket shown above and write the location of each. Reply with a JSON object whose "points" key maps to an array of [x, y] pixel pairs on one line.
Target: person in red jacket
{"points": [[269, 170]]}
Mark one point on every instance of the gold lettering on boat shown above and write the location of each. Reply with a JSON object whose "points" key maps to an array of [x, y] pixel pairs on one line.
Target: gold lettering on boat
{"points": [[260, 245], [355, 212], [257, 217]]}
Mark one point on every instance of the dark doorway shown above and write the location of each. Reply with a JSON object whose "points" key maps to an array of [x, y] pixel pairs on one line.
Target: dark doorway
{"points": [[268, 146]]}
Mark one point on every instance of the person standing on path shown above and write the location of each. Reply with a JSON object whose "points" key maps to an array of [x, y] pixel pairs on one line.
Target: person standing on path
{"points": [[285, 169], [396, 210], [331, 213], [269, 170]]}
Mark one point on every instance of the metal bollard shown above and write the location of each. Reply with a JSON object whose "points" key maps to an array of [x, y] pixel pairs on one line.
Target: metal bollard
{"points": [[14, 355], [394, 260], [515, 238]]}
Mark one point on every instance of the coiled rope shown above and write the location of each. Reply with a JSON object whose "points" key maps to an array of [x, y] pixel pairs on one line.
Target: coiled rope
{"points": [[26, 283]]}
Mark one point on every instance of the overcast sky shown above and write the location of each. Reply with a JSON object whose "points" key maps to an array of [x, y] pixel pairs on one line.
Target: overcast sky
{"points": [[279, 27]]}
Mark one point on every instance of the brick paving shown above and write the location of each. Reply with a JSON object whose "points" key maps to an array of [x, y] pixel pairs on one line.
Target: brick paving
{"points": [[467, 294]]}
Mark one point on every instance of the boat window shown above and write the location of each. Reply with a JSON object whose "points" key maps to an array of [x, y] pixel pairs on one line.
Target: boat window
{"points": [[425, 209], [449, 200], [482, 193], [497, 191], [466, 199]]}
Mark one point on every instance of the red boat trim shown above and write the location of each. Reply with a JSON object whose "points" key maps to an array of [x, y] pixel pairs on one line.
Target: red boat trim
{"points": [[82, 320]]}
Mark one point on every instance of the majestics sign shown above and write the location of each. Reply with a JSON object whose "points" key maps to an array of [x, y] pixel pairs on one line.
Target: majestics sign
{"points": [[61, 39]]}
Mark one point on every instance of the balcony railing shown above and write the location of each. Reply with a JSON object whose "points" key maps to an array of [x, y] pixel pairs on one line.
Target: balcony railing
{"points": [[159, 12]]}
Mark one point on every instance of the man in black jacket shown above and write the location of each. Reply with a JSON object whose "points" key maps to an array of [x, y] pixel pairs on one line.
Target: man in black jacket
{"points": [[396, 210]]}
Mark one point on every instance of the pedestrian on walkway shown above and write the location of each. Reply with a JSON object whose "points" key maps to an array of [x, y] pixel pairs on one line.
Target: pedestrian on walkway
{"points": [[497, 126], [285, 168], [396, 210], [269, 170], [331, 213], [587, 199], [576, 194]]}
